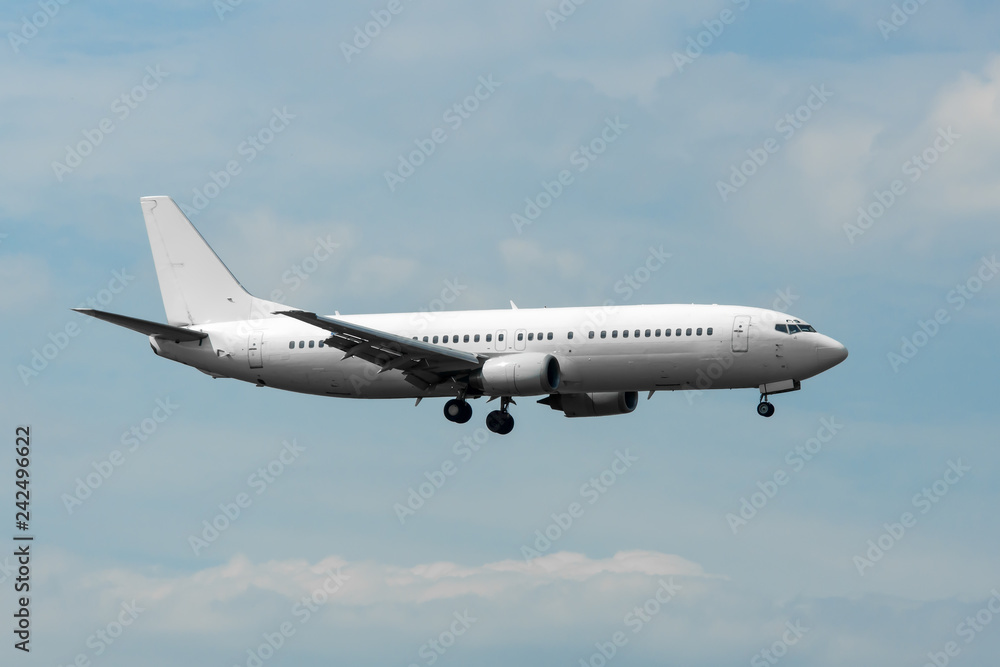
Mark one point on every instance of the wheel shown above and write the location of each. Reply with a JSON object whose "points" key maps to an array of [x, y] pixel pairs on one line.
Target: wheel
{"points": [[458, 411], [495, 421], [508, 424], [765, 409]]}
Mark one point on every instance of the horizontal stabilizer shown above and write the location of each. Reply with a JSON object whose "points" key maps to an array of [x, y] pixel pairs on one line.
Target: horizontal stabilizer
{"points": [[145, 326]]}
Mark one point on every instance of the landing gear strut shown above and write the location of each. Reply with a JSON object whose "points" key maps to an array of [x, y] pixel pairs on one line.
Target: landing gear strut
{"points": [[458, 410], [501, 421], [764, 409]]}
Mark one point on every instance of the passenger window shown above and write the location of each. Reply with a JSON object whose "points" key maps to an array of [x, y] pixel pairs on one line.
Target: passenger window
{"points": [[499, 337], [425, 339], [489, 337], [590, 334], [520, 336], [321, 342], [624, 333], [604, 334], [657, 333], [677, 332], [698, 331], [637, 333], [291, 345], [648, 333], [569, 335], [539, 335], [614, 333], [688, 332], [531, 336], [709, 331], [475, 339], [666, 332], [549, 336], [466, 338], [435, 339], [312, 343], [302, 343]]}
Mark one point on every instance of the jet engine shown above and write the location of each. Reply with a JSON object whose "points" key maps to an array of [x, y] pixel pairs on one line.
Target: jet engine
{"points": [[595, 404], [526, 374]]}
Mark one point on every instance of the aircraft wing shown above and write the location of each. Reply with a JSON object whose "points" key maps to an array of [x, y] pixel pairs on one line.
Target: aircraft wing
{"points": [[423, 364], [165, 331]]}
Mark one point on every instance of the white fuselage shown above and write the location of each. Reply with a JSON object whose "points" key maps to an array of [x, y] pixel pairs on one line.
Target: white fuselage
{"points": [[737, 347]]}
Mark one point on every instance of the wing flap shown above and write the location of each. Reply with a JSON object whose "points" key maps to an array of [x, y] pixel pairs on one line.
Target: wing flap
{"points": [[420, 361]]}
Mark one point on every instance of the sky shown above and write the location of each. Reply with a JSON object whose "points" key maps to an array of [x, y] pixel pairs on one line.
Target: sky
{"points": [[834, 159]]}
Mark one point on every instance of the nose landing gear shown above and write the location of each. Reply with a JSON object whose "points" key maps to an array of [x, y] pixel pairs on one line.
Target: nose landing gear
{"points": [[501, 421]]}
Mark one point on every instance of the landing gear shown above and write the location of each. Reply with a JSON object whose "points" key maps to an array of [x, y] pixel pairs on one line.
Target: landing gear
{"points": [[501, 421], [458, 410], [764, 409]]}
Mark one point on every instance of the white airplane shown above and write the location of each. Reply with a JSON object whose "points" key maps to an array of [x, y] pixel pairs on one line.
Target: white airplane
{"points": [[586, 362]]}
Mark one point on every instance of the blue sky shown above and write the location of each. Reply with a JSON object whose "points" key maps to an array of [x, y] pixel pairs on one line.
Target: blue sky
{"points": [[200, 80]]}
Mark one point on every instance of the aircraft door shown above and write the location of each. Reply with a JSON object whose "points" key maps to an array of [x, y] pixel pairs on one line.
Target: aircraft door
{"points": [[254, 349], [519, 339], [501, 343], [741, 333]]}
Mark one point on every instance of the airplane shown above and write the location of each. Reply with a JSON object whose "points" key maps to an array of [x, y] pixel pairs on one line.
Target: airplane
{"points": [[584, 362]]}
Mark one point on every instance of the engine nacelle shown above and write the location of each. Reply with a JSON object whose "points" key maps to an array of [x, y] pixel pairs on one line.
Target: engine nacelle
{"points": [[595, 404], [526, 374]]}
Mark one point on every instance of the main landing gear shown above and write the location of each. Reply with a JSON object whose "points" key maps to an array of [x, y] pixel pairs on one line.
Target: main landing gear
{"points": [[458, 410], [501, 421], [764, 409]]}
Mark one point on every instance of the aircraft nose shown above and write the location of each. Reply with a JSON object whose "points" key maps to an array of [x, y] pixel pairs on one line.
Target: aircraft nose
{"points": [[830, 353]]}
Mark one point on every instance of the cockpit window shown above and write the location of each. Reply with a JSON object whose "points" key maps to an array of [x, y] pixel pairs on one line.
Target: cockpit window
{"points": [[793, 328], [806, 327], [781, 327]]}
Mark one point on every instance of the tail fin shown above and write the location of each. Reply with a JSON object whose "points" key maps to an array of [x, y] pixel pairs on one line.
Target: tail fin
{"points": [[196, 286]]}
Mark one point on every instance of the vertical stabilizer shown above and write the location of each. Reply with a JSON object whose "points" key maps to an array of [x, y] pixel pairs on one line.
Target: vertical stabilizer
{"points": [[196, 286]]}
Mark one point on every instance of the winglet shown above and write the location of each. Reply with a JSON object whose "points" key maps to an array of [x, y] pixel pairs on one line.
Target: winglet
{"points": [[513, 306]]}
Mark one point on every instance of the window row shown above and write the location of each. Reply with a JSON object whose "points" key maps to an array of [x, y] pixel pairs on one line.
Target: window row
{"points": [[302, 343], [625, 333]]}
